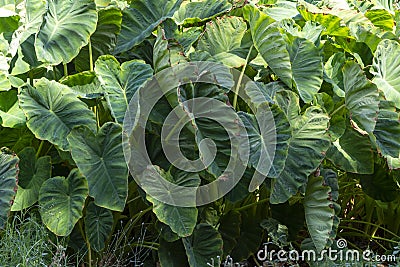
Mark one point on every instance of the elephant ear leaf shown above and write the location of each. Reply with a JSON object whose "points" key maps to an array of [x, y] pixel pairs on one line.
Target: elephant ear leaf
{"points": [[8, 182], [101, 159], [203, 246], [66, 28], [53, 108], [319, 211], [140, 19], [309, 141], [120, 83], [387, 130], [181, 220], [104, 39], [361, 97], [98, 225], [295, 60], [386, 68], [191, 13], [61, 202], [33, 172]]}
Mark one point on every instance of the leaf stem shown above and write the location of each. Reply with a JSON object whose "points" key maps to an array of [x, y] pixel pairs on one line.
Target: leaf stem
{"points": [[252, 204], [235, 97], [337, 110], [91, 55], [39, 149], [65, 69]]}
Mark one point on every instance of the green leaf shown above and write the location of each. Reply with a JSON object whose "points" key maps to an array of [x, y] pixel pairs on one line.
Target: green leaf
{"points": [[8, 182], [15, 139], [318, 211], [380, 185], [229, 229], [290, 215], [140, 19], [268, 91], [33, 173], [166, 53], [309, 141], [120, 83], [203, 246], [98, 226], [386, 70], [259, 133], [361, 96], [185, 38], [282, 9], [222, 39], [103, 40], [381, 18], [387, 129], [307, 67], [182, 220], [270, 43], [66, 28], [61, 202], [84, 84], [191, 13], [53, 110], [295, 60], [251, 233], [352, 152], [101, 160], [11, 115], [333, 72], [332, 23], [172, 254]]}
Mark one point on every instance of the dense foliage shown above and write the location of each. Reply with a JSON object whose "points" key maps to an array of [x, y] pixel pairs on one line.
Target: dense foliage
{"points": [[329, 71]]}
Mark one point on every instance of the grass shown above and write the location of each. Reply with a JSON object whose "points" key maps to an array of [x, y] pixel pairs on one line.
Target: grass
{"points": [[26, 242]]}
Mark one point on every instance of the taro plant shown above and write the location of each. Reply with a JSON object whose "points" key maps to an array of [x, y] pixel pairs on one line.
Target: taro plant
{"points": [[325, 74]]}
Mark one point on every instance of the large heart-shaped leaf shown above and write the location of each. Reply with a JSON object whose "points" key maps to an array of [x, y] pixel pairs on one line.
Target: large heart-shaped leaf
{"points": [[8, 182], [223, 41], [361, 96], [191, 13], [166, 53], [53, 110], [66, 28], [182, 220], [140, 19], [386, 68], [318, 211], [229, 229], [61, 202], [203, 246], [33, 172], [172, 254], [352, 152], [11, 114], [98, 225], [101, 159], [120, 83], [104, 39], [332, 23], [295, 60], [266, 136], [387, 129], [16, 139], [270, 43], [307, 149]]}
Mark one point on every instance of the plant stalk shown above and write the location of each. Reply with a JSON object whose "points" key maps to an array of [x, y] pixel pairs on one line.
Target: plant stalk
{"points": [[91, 55], [235, 97]]}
